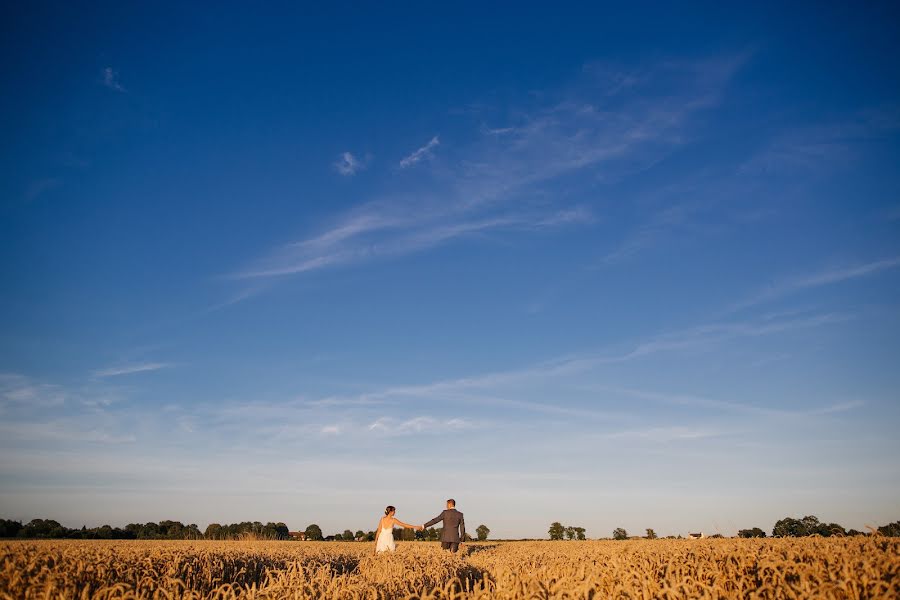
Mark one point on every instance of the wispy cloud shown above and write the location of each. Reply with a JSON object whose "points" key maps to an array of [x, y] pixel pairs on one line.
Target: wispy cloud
{"points": [[695, 401], [822, 146], [648, 234], [369, 235], [130, 369], [495, 183], [483, 389], [419, 425], [37, 410], [63, 430], [664, 434], [822, 278], [111, 79], [20, 390], [347, 164], [423, 152]]}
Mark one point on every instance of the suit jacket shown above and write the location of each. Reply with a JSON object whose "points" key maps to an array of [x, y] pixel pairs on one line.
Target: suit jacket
{"points": [[454, 525]]}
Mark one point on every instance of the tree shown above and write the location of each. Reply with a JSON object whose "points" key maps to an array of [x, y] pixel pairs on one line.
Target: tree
{"points": [[556, 531], [360, 534], [570, 533], [830, 529], [891, 529], [9, 528], [579, 533], [789, 527], [482, 531], [42, 528], [620, 534], [408, 534], [314, 533], [213, 532], [348, 535], [808, 525], [756, 532], [651, 535]]}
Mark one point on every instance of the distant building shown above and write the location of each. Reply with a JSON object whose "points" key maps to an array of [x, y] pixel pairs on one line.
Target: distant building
{"points": [[695, 536], [298, 535]]}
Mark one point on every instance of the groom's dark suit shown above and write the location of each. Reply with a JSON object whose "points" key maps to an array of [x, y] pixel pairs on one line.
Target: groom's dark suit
{"points": [[454, 528]]}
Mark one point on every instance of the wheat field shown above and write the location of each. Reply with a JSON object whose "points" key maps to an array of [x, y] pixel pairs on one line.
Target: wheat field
{"points": [[728, 568]]}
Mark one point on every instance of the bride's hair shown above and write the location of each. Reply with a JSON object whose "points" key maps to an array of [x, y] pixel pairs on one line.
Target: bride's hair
{"points": [[389, 510]]}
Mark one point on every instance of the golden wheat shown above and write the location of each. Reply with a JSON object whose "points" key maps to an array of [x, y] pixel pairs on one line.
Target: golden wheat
{"points": [[784, 568]]}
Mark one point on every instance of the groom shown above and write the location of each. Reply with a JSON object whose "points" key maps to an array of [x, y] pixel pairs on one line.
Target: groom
{"points": [[454, 527]]}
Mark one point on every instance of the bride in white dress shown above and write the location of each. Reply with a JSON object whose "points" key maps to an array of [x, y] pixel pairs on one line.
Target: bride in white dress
{"points": [[384, 538]]}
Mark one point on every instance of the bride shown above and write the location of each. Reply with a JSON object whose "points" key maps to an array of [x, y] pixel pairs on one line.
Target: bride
{"points": [[384, 540]]}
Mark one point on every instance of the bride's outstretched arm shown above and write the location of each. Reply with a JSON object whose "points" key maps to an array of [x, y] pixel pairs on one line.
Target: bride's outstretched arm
{"points": [[406, 525]]}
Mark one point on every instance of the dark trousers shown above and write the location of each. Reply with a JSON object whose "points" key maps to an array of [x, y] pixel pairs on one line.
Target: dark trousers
{"points": [[451, 546]]}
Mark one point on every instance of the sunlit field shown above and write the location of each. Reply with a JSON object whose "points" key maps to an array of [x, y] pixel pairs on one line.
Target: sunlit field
{"points": [[861, 567]]}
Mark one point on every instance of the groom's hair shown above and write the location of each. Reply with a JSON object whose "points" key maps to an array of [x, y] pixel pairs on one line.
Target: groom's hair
{"points": [[451, 502]]}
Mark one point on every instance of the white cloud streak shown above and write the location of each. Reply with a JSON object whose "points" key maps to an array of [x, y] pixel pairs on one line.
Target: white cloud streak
{"points": [[130, 369], [423, 152], [822, 278], [419, 426], [369, 235]]}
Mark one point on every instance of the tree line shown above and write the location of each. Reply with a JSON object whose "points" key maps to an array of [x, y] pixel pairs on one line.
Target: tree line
{"points": [[164, 530], [176, 530], [786, 527]]}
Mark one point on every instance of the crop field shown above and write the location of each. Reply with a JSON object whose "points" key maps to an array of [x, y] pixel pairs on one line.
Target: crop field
{"points": [[860, 567]]}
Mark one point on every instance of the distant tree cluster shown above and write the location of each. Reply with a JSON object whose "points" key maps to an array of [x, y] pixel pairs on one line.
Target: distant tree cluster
{"points": [[164, 530], [756, 532], [891, 529], [247, 529], [48, 528], [620, 534], [558, 531], [809, 525], [430, 535]]}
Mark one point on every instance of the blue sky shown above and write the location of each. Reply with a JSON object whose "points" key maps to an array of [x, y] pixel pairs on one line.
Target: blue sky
{"points": [[632, 267]]}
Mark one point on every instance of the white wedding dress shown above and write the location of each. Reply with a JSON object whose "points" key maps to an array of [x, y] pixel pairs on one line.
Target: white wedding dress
{"points": [[385, 541]]}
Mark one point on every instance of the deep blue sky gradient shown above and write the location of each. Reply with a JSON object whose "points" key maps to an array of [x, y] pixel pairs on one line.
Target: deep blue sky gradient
{"points": [[647, 273]]}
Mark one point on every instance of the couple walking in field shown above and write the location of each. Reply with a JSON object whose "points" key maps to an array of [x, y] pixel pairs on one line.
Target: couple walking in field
{"points": [[453, 533]]}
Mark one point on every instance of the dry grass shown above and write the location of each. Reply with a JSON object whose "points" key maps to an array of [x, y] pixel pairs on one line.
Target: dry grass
{"points": [[803, 568]]}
